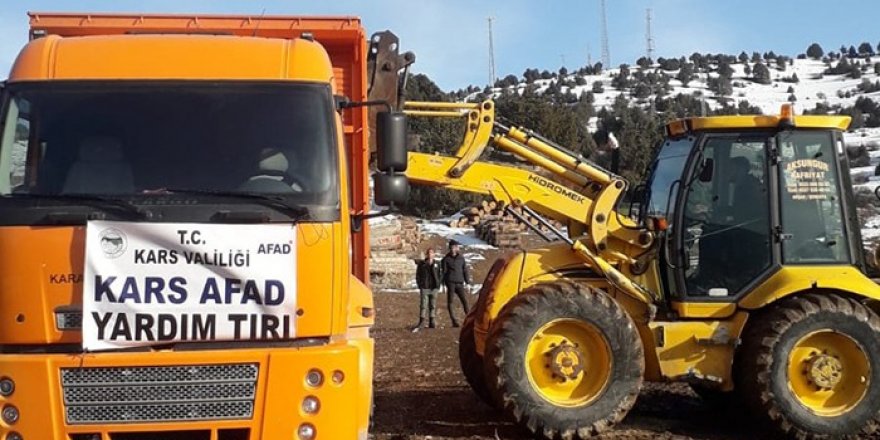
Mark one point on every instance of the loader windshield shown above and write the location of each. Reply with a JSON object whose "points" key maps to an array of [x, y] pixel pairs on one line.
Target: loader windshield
{"points": [[664, 172], [134, 140]]}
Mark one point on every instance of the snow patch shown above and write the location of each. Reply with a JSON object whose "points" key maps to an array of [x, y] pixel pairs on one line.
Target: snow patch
{"points": [[465, 236]]}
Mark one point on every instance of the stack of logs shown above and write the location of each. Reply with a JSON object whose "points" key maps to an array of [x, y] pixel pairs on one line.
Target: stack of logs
{"points": [[393, 247], [497, 227]]}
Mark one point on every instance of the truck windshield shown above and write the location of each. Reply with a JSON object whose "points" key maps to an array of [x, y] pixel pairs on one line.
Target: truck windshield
{"points": [[128, 139]]}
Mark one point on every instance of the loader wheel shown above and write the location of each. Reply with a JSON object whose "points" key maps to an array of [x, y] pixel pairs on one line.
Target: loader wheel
{"points": [[564, 360], [472, 362], [810, 368]]}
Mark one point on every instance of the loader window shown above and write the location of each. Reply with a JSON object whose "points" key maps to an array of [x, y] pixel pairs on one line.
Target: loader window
{"points": [[811, 212], [726, 231]]}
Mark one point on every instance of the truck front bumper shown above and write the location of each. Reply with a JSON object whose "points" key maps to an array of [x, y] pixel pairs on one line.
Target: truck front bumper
{"points": [[230, 394]]}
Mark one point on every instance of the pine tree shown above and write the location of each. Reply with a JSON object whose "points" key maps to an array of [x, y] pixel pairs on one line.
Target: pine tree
{"points": [[815, 51], [685, 74], [866, 49], [743, 57], [761, 74], [852, 52], [780, 64], [725, 70], [721, 86]]}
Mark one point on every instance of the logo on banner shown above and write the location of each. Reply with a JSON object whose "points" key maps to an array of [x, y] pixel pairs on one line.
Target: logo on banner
{"points": [[113, 242]]}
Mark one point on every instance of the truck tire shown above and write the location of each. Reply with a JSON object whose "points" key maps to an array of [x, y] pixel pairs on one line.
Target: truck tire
{"points": [[810, 368], [564, 360], [472, 362]]}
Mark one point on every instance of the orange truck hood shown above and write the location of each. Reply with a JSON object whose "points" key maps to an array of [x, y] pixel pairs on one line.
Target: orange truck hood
{"points": [[43, 273]]}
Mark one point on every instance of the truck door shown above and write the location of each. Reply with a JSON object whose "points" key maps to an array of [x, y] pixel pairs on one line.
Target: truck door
{"points": [[724, 239]]}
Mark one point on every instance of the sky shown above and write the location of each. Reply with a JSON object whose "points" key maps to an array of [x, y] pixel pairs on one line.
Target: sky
{"points": [[450, 37]]}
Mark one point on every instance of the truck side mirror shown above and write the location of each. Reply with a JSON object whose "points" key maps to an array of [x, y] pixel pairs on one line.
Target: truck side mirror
{"points": [[391, 158], [391, 134], [389, 189]]}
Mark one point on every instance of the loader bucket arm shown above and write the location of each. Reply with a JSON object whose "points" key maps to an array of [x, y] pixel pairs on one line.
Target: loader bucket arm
{"points": [[387, 70], [605, 240]]}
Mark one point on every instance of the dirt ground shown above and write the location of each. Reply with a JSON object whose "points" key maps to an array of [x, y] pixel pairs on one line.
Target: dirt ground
{"points": [[421, 394]]}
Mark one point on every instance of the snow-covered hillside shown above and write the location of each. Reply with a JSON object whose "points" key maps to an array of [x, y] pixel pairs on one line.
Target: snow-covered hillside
{"points": [[814, 86]]}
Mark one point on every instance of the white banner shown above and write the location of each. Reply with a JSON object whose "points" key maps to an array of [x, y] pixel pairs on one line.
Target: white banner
{"points": [[158, 283]]}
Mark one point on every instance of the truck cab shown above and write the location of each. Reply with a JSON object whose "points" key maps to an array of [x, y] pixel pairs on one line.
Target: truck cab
{"points": [[192, 123]]}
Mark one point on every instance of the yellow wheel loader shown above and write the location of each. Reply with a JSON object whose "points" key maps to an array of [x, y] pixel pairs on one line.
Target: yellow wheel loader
{"points": [[735, 267]]}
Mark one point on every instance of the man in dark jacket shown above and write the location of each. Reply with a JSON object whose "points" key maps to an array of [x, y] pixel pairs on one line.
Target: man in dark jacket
{"points": [[428, 278], [455, 277]]}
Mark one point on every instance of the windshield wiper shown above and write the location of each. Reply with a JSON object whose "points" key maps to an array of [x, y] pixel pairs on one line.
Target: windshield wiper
{"points": [[101, 202], [278, 203]]}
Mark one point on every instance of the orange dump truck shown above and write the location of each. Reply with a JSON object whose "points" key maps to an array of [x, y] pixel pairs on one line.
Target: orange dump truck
{"points": [[182, 247]]}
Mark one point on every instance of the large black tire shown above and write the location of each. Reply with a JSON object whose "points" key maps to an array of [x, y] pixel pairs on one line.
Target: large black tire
{"points": [[509, 380], [472, 362], [762, 366]]}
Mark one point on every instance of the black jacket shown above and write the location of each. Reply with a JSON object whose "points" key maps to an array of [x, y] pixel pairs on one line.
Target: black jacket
{"points": [[428, 274], [455, 269]]}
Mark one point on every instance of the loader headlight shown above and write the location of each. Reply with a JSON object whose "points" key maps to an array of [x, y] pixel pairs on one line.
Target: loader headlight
{"points": [[14, 436]]}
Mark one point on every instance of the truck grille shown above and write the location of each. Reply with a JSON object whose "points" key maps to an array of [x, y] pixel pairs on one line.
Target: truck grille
{"points": [[159, 394]]}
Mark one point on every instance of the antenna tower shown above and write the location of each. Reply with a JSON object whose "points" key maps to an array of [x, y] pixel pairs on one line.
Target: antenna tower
{"points": [[606, 54], [649, 37], [491, 54]]}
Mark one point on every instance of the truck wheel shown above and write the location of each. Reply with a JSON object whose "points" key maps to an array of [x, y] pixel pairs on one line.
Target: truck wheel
{"points": [[564, 360], [810, 368], [472, 362]]}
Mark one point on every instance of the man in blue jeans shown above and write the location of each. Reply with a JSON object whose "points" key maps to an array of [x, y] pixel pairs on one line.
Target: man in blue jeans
{"points": [[455, 277], [428, 279]]}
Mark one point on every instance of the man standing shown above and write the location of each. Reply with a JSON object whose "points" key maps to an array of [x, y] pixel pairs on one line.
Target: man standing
{"points": [[455, 276], [428, 279]]}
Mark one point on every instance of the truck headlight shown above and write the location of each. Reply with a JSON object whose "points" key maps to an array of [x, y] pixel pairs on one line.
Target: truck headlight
{"points": [[306, 431], [314, 378], [311, 405], [7, 387], [10, 414]]}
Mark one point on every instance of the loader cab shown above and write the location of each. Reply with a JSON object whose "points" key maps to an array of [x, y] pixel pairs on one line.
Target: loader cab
{"points": [[747, 195]]}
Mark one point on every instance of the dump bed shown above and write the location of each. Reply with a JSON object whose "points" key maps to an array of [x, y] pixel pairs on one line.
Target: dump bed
{"points": [[342, 37]]}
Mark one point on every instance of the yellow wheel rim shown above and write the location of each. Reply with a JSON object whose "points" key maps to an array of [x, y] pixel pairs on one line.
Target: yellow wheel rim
{"points": [[828, 372], [568, 362]]}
